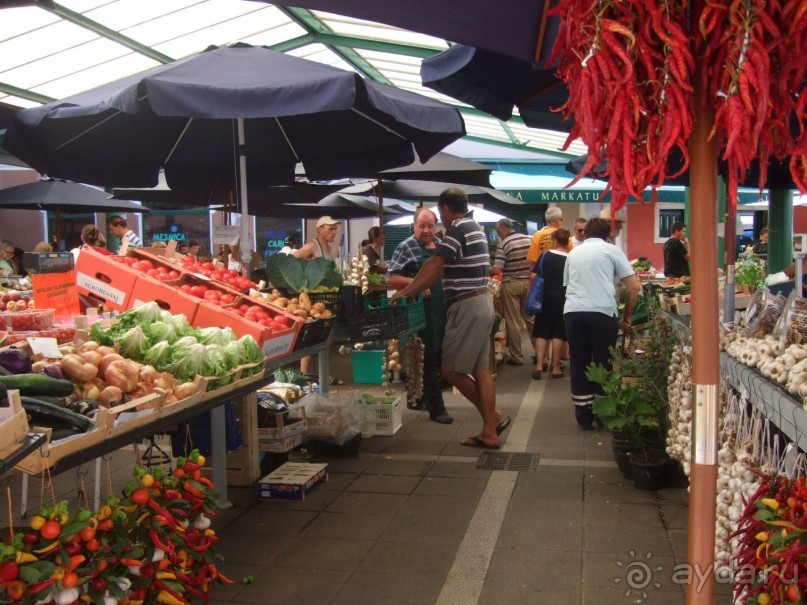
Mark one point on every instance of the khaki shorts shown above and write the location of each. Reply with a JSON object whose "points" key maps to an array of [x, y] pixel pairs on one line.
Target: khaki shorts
{"points": [[466, 344]]}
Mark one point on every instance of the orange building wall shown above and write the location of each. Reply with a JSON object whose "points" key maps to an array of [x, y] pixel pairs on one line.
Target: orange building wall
{"points": [[641, 237], [800, 219]]}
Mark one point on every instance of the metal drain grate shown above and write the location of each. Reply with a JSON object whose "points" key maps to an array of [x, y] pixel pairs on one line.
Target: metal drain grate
{"points": [[508, 461]]}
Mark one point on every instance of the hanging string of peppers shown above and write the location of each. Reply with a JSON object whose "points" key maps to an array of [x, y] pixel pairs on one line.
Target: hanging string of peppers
{"points": [[628, 67]]}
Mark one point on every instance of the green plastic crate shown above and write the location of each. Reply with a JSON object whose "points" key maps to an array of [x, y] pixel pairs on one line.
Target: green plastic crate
{"points": [[368, 365]]}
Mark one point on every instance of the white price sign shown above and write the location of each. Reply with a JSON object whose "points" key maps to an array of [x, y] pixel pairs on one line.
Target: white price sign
{"points": [[226, 234]]}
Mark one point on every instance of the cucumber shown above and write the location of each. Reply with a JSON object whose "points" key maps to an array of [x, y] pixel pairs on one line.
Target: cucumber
{"points": [[54, 413], [38, 384]]}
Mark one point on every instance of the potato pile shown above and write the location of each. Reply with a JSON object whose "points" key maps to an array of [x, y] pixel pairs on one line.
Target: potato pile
{"points": [[301, 305]]}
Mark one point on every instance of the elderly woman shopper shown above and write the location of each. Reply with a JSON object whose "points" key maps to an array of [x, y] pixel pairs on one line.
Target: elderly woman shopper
{"points": [[7, 266], [549, 324], [591, 310]]}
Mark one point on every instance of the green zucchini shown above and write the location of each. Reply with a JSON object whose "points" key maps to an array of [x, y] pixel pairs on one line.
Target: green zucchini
{"points": [[38, 384], [45, 409]]}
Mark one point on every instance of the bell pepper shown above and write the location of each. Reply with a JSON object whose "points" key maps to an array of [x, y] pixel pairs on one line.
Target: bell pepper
{"points": [[24, 557], [9, 570]]}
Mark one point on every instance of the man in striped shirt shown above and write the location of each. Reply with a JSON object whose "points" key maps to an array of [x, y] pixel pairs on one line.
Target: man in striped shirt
{"points": [[462, 261], [118, 228], [512, 264]]}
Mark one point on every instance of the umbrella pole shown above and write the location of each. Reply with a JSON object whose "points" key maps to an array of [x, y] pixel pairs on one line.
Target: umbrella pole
{"points": [[705, 348], [246, 243], [380, 199]]}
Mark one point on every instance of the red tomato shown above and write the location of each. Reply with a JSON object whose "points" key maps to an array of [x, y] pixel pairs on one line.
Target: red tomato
{"points": [[147, 263], [238, 312], [282, 320], [212, 295], [129, 260], [139, 266], [208, 265], [244, 307], [227, 298], [153, 273], [198, 291], [174, 274], [233, 272], [51, 530], [185, 288]]}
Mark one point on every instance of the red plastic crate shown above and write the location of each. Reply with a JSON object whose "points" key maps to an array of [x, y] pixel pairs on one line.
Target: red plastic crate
{"points": [[273, 344], [147, 289]]}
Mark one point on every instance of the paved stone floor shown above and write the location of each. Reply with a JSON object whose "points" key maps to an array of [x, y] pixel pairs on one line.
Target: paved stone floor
{"points": [[413, 520]]}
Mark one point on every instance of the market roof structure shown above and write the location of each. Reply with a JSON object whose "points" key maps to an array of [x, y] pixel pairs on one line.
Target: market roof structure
{"points": [[50, 50]]}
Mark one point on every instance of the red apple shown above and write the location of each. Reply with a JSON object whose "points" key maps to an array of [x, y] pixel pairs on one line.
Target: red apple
{"points": [[14, 295], [20, 305]]}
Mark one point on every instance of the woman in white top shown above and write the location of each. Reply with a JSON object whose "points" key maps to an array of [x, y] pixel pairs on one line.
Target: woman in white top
{"points": [[234, 258]]}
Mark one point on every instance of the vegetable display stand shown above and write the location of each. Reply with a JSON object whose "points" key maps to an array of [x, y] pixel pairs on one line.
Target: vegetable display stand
{"points": [[50, 453], [125, 417], [314, 332]]}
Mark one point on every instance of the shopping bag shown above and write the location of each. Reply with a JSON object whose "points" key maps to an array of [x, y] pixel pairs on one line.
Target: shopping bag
{"points": [[535, 298]]}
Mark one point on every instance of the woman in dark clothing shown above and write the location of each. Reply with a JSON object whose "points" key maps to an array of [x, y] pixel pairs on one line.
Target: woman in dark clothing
{"points": [[373, 250], [549, 324]]}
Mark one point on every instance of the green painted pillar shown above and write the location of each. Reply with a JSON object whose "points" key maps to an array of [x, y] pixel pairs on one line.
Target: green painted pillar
{"points": [[780, 230]]}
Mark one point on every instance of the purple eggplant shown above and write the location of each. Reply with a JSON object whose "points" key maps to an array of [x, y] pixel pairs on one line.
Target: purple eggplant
{"points": [[15, 361], [54, 370]]}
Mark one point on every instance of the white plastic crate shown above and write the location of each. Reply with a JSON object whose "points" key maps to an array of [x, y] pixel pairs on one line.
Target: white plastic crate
{"points": [[383, 418]]}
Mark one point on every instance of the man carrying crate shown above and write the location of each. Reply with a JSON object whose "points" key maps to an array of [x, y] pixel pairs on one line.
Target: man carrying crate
{"points": [[462, 262], [406, 261]]}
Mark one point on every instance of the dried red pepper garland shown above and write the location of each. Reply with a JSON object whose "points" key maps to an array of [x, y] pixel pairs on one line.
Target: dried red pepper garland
{"points": [[628, 69], [771, 562]]}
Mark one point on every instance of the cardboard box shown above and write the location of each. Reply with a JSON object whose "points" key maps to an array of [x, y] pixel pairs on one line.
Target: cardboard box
{"points": [[147, 289], [291, 481], [103, 278]]}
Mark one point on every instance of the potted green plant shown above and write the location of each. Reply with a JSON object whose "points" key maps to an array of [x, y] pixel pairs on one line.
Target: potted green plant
{"points": [[749, 273], [625, 408]]}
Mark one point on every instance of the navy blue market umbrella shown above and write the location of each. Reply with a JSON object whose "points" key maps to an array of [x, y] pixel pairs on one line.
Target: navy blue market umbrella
{"points": [[63, 197], [443, 167], [184, 118], [516, 28], [496, 83]]}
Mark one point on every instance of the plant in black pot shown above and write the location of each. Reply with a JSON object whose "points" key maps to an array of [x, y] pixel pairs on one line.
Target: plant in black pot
{"points": [[625, 410]]}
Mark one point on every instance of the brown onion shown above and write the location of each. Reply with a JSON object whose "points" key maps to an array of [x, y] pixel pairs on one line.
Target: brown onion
{"points": [[39, 366], [141, 390], [90, 345], [94, 357], [186, 389], [107, 350], [164, 380], [122, 375], [110, 396], [148, 374], [78, 369], [106, 360]]}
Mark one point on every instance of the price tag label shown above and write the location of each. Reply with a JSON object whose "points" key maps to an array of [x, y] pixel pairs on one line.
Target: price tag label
{"points": [[47, 347]]}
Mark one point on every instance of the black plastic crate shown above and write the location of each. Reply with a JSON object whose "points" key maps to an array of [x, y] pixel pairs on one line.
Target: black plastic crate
{"points": [[332, 300], [379, 324], [314, 332]]}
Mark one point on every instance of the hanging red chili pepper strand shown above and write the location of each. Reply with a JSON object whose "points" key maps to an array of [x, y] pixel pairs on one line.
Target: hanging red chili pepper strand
{"points": [[628, 68]]}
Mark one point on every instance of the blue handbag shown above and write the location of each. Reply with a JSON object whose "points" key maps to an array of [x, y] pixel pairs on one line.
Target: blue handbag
{"points": [[535, 298]]}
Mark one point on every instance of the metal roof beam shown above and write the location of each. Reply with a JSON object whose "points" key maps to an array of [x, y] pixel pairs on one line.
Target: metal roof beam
{"points": [[105, 32], [331, 39], [314, 26], [24, 93], [520, 147]]}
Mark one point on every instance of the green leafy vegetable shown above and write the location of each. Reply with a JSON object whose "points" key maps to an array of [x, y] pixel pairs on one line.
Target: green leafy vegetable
{"points": [[133, 344], [158, 355], [215, 335], [186, 360], [297, 275], [160, 331]]}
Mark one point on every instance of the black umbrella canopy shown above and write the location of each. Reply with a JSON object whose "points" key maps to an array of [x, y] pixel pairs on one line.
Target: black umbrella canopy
{"points": [[67, 198], [308, 211], [346, 200], [443, 167], [164, 198], [429, 190], [184, 117], [496, 83], [516, 28]]}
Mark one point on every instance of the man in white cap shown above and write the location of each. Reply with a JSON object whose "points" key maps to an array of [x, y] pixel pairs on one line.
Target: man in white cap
{"points": [[321, 246], [620, 218]]}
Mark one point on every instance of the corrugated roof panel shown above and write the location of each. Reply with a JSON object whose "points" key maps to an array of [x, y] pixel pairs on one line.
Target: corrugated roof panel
{"points": [[321, 54], [347, 26], [274, 34], [122, 14], [18, 21], [109, 71], [27, 48]]}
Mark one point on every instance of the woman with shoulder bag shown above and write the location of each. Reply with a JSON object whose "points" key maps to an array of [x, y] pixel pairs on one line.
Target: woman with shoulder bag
{"points": [[549, 323]]}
